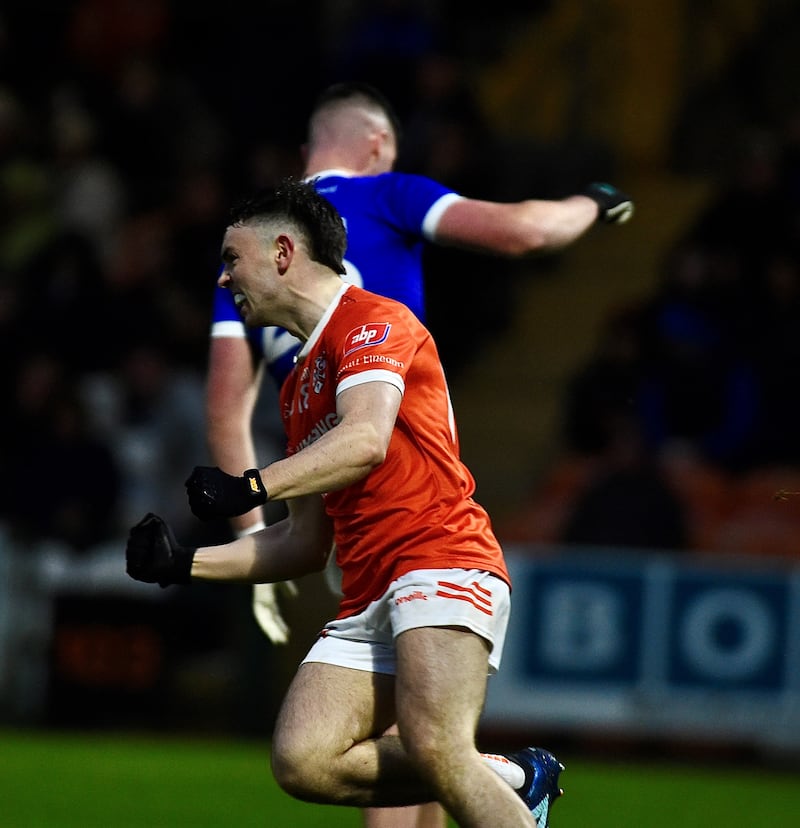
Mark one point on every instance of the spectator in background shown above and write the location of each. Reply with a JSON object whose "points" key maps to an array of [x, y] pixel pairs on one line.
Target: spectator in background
{"points": [[49, 436], [26, 209], [698, 390], [158, 125], [197, 212], [777, 359], [142, 295], [748, 212], [601, 395], [152, 415], [69, 281], [626, 500], [606, 488], [90, 196]]}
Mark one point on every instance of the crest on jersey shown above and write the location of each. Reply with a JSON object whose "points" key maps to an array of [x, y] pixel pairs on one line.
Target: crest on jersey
{"points": [[372, 333], [319, 374]]}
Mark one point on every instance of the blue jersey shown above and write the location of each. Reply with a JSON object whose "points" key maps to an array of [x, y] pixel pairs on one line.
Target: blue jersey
{"points": [[388, 217]]}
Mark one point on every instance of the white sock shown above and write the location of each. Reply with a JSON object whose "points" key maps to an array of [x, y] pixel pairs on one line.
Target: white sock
{"points": [[507, 770]]}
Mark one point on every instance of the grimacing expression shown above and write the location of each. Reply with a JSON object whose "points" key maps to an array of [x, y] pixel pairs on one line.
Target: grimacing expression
{"points": [[249, 268]]}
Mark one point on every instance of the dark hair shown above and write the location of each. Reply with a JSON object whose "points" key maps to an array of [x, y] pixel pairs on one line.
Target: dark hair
{"points": [[348, 90], [299, 203]]}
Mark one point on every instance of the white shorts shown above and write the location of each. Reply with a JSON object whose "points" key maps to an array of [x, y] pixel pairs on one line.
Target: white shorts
{"points": [[468, 598]]}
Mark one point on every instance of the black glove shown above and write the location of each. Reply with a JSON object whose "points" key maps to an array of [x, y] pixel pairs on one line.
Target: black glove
{"points": [[215, 494], [615, 206], [154, 556]]}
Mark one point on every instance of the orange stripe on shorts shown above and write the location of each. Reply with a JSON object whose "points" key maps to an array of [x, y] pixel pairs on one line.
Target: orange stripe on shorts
{"points": [[469, 598]]}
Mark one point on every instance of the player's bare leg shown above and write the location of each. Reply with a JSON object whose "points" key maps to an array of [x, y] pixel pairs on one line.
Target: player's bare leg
{"points": [[329, 743], [427, 815], [325, 747], [440, 691]]}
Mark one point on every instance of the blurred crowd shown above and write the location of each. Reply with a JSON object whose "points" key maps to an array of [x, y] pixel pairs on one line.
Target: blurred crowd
{"points": [[681, 429], [126, 130]]}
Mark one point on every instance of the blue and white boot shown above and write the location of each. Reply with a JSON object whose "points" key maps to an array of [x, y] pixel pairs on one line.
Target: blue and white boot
{"points": [[541, 788]]}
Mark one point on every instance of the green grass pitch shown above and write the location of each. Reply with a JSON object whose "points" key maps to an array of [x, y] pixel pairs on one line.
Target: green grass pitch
{"points": [[95, 781]]}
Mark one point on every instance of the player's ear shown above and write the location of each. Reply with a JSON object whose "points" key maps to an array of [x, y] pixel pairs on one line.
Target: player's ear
{"points": [[377, 141], [382, 150], [284, 252]]}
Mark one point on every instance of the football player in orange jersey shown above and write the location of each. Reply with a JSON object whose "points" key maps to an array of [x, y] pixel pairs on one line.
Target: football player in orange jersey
{"points": [[373, 466], [353, 137]]}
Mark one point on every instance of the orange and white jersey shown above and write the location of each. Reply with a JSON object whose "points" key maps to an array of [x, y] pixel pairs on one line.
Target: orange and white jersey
{"points": [[415, 510]]}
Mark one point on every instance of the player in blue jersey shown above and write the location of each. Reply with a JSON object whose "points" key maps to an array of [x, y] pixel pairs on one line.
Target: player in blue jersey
{"points": [[383, 254], [350, 155]]}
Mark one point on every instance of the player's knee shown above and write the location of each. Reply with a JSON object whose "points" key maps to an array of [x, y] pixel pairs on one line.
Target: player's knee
{"points": [[291, 774], [298, 771]]}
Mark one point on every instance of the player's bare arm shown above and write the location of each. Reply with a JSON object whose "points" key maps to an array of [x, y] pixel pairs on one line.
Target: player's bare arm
{"points": [[295, 546], [528, 227], [348, 452], [345, 454], [232, 389]]}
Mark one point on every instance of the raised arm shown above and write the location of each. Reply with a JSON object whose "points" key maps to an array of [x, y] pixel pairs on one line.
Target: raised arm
{"points": [[534, 226]]}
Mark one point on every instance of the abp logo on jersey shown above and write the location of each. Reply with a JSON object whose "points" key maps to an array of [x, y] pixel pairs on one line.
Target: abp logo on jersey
{"points": [[372, 333]]}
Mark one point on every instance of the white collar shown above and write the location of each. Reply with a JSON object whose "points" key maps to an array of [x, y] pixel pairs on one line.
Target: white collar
{"points": [[323, 321]]}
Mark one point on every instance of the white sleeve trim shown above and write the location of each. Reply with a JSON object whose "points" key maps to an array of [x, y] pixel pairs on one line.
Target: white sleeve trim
{"points": [[434, 215], [229, 328], [373, 375]]}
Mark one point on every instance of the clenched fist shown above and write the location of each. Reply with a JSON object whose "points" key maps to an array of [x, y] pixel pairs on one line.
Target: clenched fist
{"points": [[615, 206], [154, 556], [214, 493]]}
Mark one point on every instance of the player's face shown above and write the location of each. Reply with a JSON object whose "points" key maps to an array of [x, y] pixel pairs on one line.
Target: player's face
{"points": [[249, 272]]}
